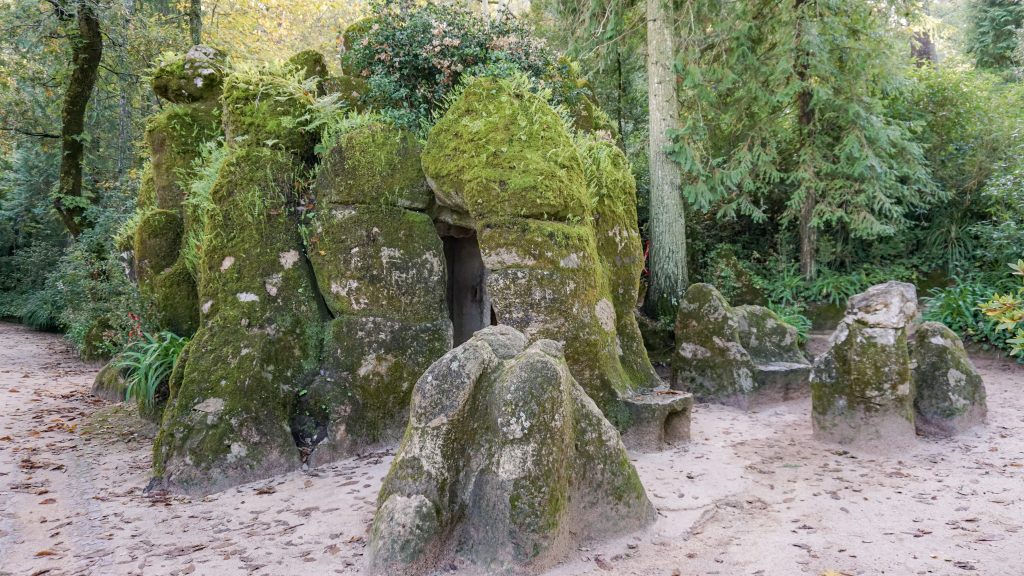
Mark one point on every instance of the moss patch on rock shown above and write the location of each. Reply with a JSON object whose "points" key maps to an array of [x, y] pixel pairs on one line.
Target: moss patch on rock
{"points": [[191, 77], [157, 241], [506, 464], [375, 164], [360, 396], [269, 106], [379, 261], [950, 395], [500, 151], [175, 137]]}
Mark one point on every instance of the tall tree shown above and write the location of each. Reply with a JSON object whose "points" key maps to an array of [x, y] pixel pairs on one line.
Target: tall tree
{"points": [[786, 119], [667, 216], [86, 52], [993, 33], [195, 21], [808, 196]]}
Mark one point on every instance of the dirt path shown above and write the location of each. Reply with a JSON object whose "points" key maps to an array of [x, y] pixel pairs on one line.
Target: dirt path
{"points": [[751, 495]]}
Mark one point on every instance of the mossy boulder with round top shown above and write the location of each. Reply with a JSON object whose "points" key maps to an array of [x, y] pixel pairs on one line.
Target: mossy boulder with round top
{"points": [[507, 464], [950, 395]]}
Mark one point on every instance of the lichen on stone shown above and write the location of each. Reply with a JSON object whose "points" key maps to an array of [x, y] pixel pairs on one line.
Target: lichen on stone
{"points": [[506, 464], [950, 395], [194, 76]]}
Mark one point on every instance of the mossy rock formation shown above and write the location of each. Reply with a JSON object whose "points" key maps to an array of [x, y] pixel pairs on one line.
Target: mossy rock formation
{"points": [[506, 464], [950, 395], [191, 77], [308, 344], [259, 340], [380, 267], [862, 389], [175, 137], [556, 231], [744, 356]]}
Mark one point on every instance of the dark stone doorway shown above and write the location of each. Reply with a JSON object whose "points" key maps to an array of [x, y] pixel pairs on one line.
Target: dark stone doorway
{"points": [[468, 303]]}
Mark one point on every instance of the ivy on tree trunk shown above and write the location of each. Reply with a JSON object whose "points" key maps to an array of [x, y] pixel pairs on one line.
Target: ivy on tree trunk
{"points": [[86, 51]]}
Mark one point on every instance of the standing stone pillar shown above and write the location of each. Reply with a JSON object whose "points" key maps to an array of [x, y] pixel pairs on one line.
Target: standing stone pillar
{"points": [[862, 389]]}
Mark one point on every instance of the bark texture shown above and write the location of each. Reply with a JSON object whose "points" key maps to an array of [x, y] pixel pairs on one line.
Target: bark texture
{"points": [[87, 49], [668, 219]]}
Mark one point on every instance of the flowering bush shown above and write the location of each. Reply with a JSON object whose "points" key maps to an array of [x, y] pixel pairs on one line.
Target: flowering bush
{"points": [[411, 56]]}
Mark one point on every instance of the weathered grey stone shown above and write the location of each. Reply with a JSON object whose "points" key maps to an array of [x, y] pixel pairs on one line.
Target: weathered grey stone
{"points": [[658, 418], [506, 464], [360, 396], [950, 393], [862, 391], [744, 356], [192, 77], [889, 305]]}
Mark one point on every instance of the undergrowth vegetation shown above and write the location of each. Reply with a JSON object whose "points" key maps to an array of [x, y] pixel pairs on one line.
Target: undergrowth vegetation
{"points": [[147, 364]]}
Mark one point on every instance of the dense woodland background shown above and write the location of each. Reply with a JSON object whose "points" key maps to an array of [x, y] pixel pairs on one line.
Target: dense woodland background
{"points": [[819, 146]]}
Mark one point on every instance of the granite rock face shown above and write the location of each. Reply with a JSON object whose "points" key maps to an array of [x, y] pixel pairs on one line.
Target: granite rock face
{"points": [[950, 393], [506, 464], [744, 356], [862, 388]]}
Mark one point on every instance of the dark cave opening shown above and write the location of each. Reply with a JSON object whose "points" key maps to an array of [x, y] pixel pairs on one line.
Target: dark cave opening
{"points": [[469, 305]]}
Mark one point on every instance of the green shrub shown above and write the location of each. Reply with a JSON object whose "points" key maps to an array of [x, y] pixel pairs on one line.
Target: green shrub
{"points": [[412, 55], [958, 306], [147, 364], [1006, 313]]}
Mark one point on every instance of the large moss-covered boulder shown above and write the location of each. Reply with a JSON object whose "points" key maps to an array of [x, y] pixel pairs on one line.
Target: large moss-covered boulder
{"points": [[501, 151], [375, 164], [613, 190], [259, 341], [744, 356], [950, 395], [265, 105], [381, 271], [709, 360], [555, 222], [862, 390], [194, 76], [506, 464]]}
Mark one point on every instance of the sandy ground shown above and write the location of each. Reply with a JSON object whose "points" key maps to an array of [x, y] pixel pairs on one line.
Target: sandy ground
{"points": [[752, 494]]}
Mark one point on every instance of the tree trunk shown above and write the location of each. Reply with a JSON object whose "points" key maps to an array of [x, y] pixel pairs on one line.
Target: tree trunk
{"points": [[195, 21], [667, 219], [86, 51], [923, 50], [805, 111]]}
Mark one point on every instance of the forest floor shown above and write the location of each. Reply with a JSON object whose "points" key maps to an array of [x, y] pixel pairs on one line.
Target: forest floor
{"points": [[752, 494]]}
